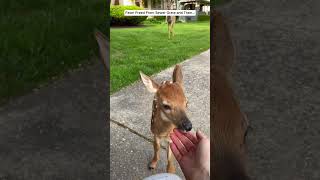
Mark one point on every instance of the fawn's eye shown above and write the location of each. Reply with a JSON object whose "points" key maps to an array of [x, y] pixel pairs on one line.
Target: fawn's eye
{"points": [[166, 107]]}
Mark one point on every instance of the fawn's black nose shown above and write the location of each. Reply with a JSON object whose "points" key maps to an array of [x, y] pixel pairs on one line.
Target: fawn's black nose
{"points": [[186, 125]]}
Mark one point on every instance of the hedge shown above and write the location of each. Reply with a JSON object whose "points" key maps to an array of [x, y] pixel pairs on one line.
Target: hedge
{"points": [[203, 18], [118, 18]]}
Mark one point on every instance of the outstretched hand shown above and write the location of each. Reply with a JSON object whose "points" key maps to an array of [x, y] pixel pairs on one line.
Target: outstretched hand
{"points": [[192, 152]]}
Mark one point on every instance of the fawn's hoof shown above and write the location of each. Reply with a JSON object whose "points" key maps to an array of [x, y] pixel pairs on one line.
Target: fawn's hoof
{"points": [[171, 169], [152, 165]]}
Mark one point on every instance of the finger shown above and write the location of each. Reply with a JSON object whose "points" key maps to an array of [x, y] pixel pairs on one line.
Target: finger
{"points": [[184, 140], [191, 136], [175, 151], [200, 135], [178, 144]]}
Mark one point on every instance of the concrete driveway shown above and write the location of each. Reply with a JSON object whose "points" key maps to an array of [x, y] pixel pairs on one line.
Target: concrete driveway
{"points": [[130, 111], [58, 131]]}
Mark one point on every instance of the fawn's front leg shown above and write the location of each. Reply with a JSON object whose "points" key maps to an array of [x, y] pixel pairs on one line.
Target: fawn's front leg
{"points": [[170, 166], [172, 29], [156, 156]]}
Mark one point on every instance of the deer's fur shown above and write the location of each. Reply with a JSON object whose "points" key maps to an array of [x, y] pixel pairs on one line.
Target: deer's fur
{"points": [[168, 112], [171, 20], [228, 124]]}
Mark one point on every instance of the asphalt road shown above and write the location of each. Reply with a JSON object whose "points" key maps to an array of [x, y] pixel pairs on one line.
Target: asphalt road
{"points": [[57, 132], [276, 77]]}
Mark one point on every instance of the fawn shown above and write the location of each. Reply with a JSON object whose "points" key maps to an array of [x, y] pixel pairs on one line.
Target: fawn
{"points": [[168, 112], [228, 124], [171, 20]]}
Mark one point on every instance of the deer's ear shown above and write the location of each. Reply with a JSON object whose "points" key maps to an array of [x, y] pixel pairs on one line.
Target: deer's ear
{"points": [[177, 75], [103, 47], [149, 83]]}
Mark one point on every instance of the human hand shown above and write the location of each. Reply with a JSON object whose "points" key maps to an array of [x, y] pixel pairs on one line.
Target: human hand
{"points": [[192, 152]]}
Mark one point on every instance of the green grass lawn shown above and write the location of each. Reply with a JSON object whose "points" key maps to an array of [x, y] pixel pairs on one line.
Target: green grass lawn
{"points": [[41, 39], [148, 49]]}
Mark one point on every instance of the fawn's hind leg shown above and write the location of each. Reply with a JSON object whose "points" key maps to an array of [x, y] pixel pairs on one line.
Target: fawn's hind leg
{"points": [[156, 156], [172, 30]]}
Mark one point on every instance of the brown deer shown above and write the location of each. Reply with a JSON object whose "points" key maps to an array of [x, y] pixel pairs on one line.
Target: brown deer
{"points": [[228, 124], [171, 20], [168, 112]]}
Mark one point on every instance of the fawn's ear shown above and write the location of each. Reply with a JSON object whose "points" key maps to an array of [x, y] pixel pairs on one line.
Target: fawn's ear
{"points": [[177, 75], [149, 83], [103, 47]]}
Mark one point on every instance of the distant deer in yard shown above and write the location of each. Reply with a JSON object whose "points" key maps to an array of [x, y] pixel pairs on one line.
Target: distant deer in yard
{"points": [[171, 20], [168, 112], [228, 124]]}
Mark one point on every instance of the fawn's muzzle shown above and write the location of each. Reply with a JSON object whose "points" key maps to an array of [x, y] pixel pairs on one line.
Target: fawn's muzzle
{"points": [[186, 125]]}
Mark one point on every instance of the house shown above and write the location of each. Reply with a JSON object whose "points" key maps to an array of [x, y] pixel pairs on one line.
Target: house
{"points": [[201, 6], [147, 4]]}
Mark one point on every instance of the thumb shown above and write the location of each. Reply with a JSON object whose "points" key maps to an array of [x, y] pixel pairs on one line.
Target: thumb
{"points": [[200, 135]]}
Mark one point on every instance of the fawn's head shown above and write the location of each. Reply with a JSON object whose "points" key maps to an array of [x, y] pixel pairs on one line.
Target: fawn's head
{"points": [[170, 99]]}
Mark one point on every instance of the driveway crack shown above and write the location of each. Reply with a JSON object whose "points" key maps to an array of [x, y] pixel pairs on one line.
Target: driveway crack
{"points": [[134, 132]]}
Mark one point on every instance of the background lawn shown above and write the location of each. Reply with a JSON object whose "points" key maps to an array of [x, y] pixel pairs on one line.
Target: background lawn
{"points": [[41, 39], [148, 49]]}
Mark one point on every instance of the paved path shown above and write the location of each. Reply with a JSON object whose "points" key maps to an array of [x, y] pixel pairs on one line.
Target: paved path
{"points": [[57, 132], [130, 112], [277, 79]]}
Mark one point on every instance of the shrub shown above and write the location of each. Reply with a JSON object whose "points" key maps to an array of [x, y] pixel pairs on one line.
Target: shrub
{"points": [[153, 21], [159, 20], [203, 18], [156, 20], [118, 18]]}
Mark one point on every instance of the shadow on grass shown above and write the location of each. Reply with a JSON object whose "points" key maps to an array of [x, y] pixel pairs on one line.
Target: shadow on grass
{"points": [[136, 26], [43, 39]]}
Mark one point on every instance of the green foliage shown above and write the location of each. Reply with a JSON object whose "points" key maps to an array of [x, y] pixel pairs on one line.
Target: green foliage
{"points": [[160, 18], [217, 2], [42, 39], [118, 18], [203, 18], [156, 20]]}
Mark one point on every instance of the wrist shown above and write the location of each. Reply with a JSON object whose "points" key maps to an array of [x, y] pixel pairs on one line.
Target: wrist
{"points": [[201, 174]]}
